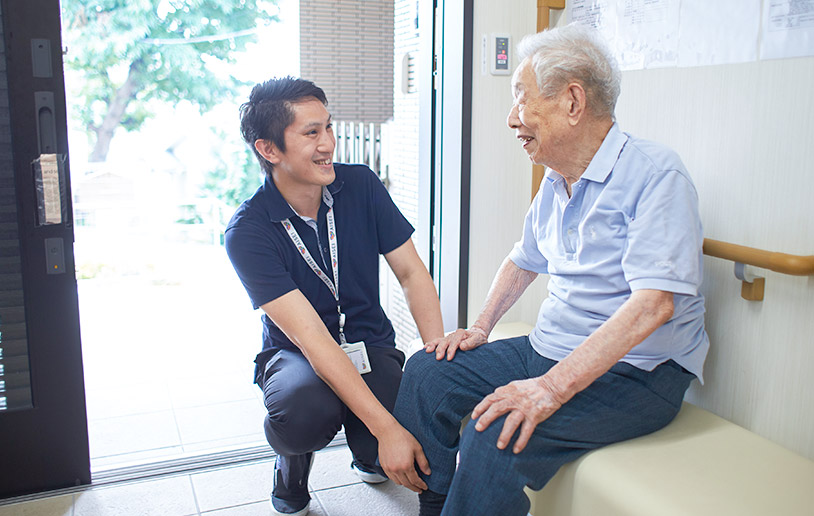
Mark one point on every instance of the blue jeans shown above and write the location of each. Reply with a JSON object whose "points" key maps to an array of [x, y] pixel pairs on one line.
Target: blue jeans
{"points": [[435, 396]]}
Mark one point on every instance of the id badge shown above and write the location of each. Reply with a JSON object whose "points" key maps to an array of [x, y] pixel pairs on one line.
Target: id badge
{"points": [[357, 353]]}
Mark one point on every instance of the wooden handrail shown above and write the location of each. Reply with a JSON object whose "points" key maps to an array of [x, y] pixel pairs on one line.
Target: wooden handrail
{"points": [[543, 22], [777, 262]]}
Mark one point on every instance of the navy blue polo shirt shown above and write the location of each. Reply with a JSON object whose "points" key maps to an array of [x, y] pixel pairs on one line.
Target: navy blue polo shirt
{"points": [[268, 264]]}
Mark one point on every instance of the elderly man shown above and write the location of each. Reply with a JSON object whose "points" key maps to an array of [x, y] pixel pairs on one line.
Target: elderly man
{"points": [[621, 334]]}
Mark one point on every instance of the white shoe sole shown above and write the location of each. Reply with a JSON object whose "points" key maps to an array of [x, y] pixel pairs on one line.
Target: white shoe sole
{"points": [[369, 478], [301, 512]]}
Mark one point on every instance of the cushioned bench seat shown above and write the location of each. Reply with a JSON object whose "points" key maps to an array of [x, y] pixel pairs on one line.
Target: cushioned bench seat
{"points": [[699, 465]]}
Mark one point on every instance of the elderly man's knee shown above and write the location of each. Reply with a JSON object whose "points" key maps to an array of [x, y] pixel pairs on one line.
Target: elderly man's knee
{"points": [[482, 443], [419, 368]]}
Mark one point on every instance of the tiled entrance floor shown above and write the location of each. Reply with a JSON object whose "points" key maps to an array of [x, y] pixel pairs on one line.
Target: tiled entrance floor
{"points": [[168, 362], [232, 491]]}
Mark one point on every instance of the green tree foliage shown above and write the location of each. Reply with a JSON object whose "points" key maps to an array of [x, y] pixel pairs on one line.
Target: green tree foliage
{"points": [[131, 52], [235, 175]]}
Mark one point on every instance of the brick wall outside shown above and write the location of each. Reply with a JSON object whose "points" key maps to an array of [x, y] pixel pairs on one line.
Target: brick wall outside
{"points": [[351, 49], [402, 161], [346, 48]]}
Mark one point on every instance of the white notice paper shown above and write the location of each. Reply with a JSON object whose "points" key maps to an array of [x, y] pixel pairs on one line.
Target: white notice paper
{"points": [[720, 32], [600, 14], [52, 200], [788, 29], [648, 34]]}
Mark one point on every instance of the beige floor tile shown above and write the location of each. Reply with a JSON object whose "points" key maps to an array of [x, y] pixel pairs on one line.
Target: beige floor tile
{"points": [[261, 509], [227, 443], [332, 469], [121, 435], [123, 399], [56, 506], [369, 500], [224, 420], [165, 497], [208, 390], [101, 464], [229, 487]]}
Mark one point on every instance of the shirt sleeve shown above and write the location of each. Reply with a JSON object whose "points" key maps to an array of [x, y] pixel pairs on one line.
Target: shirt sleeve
{"points": [[258, 262], [526, 253], [664, 239], [392, 227]]}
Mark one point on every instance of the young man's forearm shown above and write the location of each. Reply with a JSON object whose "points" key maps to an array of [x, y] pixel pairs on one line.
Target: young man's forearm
{"points": [[422, 300]]}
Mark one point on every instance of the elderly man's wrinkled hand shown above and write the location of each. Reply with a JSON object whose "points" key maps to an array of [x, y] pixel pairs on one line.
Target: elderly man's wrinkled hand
{"points": [[463, 339], [527, 403]]}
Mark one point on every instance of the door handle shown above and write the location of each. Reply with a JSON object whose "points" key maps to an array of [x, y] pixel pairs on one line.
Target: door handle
{"points": [[46, 124]]}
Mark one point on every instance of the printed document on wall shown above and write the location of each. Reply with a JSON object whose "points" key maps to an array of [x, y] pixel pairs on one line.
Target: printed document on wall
{"points": [[600, 14], [720, 32], [648, 34], [788, 29]]}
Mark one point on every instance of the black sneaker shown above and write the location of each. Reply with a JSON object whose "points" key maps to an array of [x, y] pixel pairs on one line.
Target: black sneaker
{"points": [[290, 497]]}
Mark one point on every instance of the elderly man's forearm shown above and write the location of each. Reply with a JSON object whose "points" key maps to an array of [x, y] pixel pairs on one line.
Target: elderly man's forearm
{"points": [[643, 313], [509, 284]]}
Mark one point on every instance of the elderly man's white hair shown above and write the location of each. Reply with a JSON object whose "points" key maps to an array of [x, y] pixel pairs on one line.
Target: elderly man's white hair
{"points": [[574, 53]]}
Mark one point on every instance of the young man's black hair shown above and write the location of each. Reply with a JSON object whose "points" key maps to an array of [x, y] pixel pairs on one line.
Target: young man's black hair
{"points": [[268, 112]]}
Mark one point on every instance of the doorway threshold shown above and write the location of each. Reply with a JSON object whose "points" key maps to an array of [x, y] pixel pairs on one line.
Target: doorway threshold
{"points": [[191, 463]]}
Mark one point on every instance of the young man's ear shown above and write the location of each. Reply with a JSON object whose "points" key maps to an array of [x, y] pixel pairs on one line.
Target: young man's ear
{"points": [[268, 150]]}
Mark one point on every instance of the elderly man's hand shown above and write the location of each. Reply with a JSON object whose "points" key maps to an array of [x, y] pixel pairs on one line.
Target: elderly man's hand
{"points": [[528, 403], [463, 339]]}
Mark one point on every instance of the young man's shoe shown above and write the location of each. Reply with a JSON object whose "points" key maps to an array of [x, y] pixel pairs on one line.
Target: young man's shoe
{"points": [[301, 512], [290, 497], [368, 474]]}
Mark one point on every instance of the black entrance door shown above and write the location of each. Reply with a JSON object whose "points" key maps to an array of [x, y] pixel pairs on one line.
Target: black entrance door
{"points": [[43, 426]]}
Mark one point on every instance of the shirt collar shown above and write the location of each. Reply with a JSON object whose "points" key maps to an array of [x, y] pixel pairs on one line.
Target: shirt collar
{"points": [[278, 208], [603, 161], [606, 157]]}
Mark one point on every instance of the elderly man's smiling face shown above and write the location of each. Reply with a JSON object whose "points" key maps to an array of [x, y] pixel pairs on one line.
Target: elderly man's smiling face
{"points": [[537, 120]]}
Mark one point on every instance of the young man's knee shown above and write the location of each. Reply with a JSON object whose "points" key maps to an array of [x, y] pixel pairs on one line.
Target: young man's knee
{"points": [[300, 435]]}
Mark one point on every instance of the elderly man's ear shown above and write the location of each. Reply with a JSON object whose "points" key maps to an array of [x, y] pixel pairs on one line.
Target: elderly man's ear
{"points": [[268, 150], [576, 99]]}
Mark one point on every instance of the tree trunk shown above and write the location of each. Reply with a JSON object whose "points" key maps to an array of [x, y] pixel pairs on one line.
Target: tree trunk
{"points": [[115, 113]]}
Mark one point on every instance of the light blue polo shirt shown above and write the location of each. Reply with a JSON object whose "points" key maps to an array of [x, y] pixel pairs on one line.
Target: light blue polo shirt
{"points": [[631, 223]]}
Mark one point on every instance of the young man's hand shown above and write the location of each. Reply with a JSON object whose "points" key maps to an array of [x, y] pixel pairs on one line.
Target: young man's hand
{"points": [[399, 452]]}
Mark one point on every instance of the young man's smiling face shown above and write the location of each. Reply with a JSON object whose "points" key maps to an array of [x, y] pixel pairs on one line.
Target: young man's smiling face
{"points": [[309, 147]]}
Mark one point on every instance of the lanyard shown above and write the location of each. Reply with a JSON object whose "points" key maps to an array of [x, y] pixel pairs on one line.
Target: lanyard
{"points": [[306, 255]]}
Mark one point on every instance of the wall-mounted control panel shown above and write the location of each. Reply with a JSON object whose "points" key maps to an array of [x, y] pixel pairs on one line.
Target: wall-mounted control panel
{"points": [[501, 47]]}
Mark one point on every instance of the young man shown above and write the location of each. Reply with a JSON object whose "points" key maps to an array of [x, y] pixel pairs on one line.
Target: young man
{"points": [[306, 247]]}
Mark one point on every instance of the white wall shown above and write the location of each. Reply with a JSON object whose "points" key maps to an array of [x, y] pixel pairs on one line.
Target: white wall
{"points": [[746, 134], [500, 191]]}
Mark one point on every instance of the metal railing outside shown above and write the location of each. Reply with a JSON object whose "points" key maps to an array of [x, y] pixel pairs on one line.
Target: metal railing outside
{"points": [[359, 142]]}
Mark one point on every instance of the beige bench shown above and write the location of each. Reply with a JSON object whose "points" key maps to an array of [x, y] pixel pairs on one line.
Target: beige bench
{"points": [[699, 465]]}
